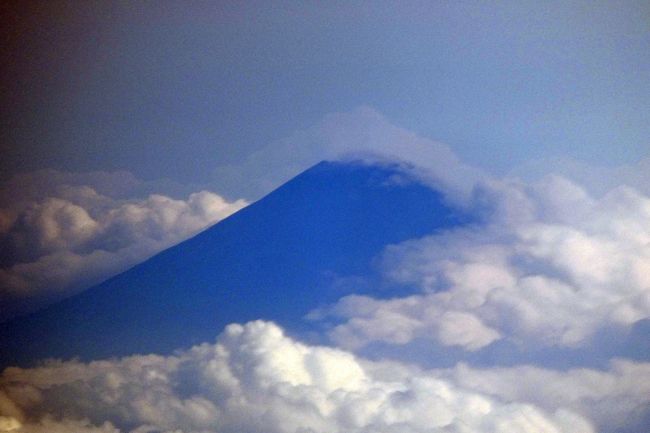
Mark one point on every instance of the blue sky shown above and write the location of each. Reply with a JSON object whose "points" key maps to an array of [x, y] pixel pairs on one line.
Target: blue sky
{"points": [[174, 91]]}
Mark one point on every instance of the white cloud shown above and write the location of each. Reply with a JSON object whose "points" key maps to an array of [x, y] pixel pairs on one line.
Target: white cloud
{"points": [[616, 400], [71, 236], [551, 267], [256, 379], [362, 133]]}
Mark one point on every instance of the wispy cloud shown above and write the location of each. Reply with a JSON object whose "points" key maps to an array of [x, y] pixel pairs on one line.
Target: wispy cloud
{"points": [[361, 134]]}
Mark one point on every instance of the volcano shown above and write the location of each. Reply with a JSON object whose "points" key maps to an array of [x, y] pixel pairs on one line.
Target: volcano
{"points": [[277, 259]]}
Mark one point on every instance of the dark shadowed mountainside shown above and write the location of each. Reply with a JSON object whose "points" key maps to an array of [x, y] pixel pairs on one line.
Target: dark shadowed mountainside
{"points": [[276, 259]]}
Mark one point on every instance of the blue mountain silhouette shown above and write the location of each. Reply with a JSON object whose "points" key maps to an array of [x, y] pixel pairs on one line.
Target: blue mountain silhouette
{"points": [[276, 260]]}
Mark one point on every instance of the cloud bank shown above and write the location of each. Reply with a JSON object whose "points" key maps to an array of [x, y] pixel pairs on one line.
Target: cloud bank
{"points": [[64, 235], [256, 379], [551, 266]]}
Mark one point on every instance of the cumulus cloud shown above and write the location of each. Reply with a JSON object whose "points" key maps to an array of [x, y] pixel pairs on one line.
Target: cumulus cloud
{"points": [[616, 400], [551, 266], [67, 236], [254, 379]]}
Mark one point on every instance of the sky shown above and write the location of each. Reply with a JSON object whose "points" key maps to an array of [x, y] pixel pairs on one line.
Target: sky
{"points": [[129, 127], [99, 86]]}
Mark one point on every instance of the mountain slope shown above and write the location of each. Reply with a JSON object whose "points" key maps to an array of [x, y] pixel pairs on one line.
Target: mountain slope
{"points": [[276, 259]]}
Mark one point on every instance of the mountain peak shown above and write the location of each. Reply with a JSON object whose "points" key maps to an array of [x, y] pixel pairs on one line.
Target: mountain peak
{"points": [[277, 259]]}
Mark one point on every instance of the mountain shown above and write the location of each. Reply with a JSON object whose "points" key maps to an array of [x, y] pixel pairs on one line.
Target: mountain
{"points": [[277, 259]]}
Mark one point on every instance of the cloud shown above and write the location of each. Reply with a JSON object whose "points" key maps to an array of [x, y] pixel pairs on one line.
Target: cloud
{"points": [[551, 266], [254, 379], [69, 236], [362, 133], [616, 400]]}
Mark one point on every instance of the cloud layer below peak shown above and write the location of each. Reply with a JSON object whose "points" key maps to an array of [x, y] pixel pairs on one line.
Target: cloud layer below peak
{"points": [[254, 379], [551, 266]]}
